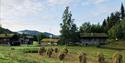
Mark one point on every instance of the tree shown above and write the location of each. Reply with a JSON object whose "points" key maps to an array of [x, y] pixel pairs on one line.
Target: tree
{"points": [[122, 11], [114, 25], [74, 33], [91, 28], [86, 27], [35, 38], [104, 25], [39, 37], [118, 31], [68, 28], [111, 20]]}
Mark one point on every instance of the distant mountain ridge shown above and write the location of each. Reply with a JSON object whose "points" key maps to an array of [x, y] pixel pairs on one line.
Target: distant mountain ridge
{"points": [[30, 32], [34, 32], [49, 34]]}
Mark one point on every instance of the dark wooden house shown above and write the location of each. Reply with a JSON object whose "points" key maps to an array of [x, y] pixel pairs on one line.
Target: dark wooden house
{"points": [[9, 39], [93, 38], [27, 40]]}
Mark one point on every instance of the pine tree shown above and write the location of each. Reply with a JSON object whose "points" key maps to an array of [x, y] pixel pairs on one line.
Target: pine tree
{"points": [[104, 25], [117, 17], [122, 11]]}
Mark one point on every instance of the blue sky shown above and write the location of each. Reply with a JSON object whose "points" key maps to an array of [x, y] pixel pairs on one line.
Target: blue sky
{"points": [[46, 15]]}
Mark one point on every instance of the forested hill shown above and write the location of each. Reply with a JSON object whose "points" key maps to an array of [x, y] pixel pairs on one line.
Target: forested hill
{"points": [[3, 30]]}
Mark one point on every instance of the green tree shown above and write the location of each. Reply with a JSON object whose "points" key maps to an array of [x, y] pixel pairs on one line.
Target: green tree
{"points": [[74, 33], [105, 25], [118, 31], [91, 28], [85, 28], [39, 37], [111, 20], [117, 16], [122, 11], [35, 38], [68, 28]]}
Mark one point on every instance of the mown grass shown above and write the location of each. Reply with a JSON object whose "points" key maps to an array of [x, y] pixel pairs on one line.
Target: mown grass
{"points": [[28, 54], [116, 44]]}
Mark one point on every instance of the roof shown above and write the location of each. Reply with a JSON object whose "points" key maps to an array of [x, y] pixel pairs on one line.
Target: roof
{"points": [[93, 35], [50, 40], [29, 36], [6, 35]]}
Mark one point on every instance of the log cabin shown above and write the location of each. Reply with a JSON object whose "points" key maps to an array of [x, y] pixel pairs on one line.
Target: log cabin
{"points": [[27, 40], [93, 38], [9, 39]]}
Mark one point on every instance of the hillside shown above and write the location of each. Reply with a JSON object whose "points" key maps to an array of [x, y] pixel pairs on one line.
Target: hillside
{"points": [[3, 30]]}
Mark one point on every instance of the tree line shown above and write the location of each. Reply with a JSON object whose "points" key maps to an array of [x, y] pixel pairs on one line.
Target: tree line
{"points": [[113, 25]]}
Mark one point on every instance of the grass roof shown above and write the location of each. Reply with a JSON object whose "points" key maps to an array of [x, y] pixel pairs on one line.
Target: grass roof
{"points": [[6, 35], [93, 35], [50, 40]]}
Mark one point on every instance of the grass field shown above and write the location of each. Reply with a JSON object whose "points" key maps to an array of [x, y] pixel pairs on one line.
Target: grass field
{"points": [[116, 44], [28, 54]]}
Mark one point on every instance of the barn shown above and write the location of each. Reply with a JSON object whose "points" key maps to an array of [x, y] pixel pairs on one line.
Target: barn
{"points": [[27, 40], [93, 38], [9, 39]]}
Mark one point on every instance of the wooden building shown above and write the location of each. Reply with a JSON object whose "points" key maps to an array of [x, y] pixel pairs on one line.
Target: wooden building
{"points": [[27, 40], [9, 39], [93, 38], [48, 41]]}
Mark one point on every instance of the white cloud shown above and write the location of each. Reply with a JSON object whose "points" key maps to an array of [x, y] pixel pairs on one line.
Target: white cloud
{"points": [[12, 12], [19, 8], [16, 25], [60, 2], [95, 2], [98, 1]]}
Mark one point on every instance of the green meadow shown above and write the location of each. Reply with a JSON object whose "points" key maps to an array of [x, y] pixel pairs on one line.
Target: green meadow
{"points": [[29, 54]]}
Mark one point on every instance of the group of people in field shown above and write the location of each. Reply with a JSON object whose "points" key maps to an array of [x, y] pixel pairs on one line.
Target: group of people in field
{"points": [[117, 58]]}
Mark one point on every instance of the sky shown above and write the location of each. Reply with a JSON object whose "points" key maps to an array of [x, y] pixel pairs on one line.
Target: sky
{"points": [[46, 15]]}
